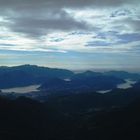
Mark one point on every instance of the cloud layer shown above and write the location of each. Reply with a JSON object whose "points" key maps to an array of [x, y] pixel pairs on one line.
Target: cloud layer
{"points": [[66, 26]]}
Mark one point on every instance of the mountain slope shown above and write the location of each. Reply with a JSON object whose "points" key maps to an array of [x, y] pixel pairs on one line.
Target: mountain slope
{"points": [[123, 75], [87, 81], [29, 74]]}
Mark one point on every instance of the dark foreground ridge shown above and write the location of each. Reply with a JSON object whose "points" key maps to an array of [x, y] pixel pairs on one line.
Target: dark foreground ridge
{"points": [[75, 117]]}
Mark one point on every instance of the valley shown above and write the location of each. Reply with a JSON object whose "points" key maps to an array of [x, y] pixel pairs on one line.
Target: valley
{"points": [[53, 106]]}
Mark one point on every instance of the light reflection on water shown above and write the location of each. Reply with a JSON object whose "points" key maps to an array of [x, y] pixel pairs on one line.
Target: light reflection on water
{"points": [[128, 84], [25, 89], [32, 88]]}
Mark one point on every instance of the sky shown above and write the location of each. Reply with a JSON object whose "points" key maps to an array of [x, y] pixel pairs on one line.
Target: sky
{"points": [[72, 34]]}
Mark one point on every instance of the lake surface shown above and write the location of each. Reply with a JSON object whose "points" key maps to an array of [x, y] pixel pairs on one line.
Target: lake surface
{"points": [[25, 89], [128, 84], [103, 91]]}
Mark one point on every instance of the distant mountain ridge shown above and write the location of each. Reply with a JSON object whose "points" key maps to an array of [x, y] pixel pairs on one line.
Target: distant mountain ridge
{"points": [[29, 74], [123, 75], [54, 78], [38, 70]]}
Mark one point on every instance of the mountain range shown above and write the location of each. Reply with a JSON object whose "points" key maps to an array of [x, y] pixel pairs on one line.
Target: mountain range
{"points": [[25, 75], [52, 79], [67, 106]]}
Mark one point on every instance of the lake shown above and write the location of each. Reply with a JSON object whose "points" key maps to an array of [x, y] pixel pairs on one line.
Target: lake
{"points": [[103, 91], [25, 89], [128, 84]]}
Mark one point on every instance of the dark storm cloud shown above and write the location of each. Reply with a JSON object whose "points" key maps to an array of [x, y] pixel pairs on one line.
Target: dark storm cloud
{"points": [[37, 26], [38, 17], [64, 3]]}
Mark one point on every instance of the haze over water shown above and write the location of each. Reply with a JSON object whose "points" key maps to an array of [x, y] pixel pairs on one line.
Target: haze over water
{"points": [[25, 89]]}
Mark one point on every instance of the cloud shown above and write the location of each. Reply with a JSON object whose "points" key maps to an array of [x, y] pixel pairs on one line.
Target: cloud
{"points": [[133, 24], [87, 27], [39, 26], [38, 18], [64, 3]]}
